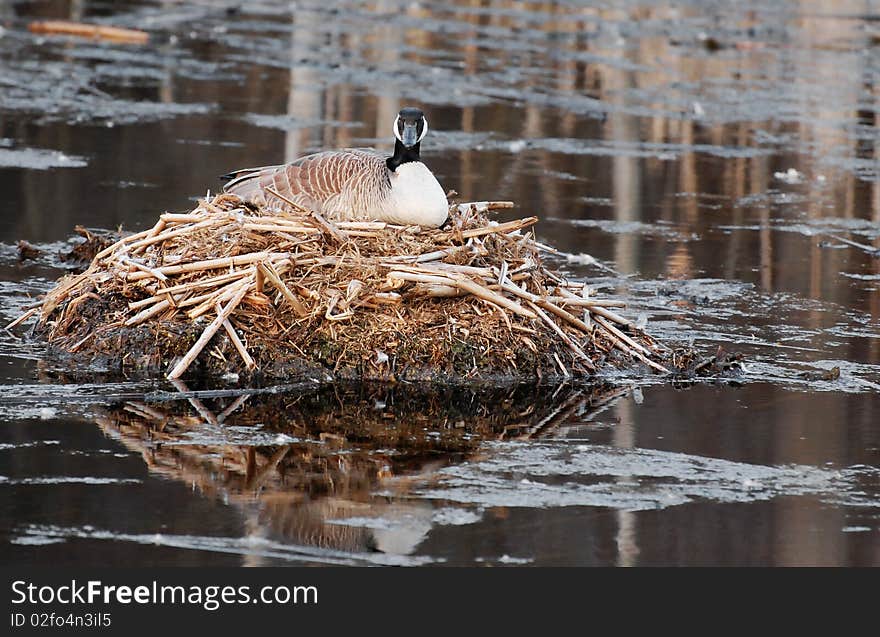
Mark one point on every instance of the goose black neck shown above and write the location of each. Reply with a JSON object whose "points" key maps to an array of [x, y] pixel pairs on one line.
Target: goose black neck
{"points": [[402, 155]]}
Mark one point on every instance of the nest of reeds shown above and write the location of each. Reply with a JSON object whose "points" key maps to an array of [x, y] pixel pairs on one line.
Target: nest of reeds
{"points": [[231, 288]]}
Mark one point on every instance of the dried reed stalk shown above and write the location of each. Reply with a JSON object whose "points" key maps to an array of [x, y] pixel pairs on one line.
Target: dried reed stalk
{"points": [[483, 206], [565, 337], [619, 338], [468, 285], [268, 271], [210, 264], [501, 228], [236, 342], [314, 217], [148, 313], [21, 319], [90, 31], [208, 334]]}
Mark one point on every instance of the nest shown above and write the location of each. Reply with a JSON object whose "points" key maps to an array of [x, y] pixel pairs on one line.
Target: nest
{"points": [[231, 288]]}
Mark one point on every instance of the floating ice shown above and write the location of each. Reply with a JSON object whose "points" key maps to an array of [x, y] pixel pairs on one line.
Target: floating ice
{"points": [[558, 475], [790, 176]]}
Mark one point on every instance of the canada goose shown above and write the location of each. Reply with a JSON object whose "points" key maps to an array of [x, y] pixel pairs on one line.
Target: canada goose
{"points": [[355, 183]]}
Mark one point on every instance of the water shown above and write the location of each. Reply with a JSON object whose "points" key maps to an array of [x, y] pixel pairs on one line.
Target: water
{"points": [[718, 162]]}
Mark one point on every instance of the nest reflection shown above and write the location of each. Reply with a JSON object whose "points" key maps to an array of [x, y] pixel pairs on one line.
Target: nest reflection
{"points": [[305, 467]]}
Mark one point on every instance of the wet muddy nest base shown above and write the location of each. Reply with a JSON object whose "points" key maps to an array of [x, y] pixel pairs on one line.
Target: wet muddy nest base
{"points": [[231, 288]]}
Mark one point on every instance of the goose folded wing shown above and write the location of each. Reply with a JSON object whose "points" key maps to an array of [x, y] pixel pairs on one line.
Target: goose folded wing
{"points": [[314, 182]]}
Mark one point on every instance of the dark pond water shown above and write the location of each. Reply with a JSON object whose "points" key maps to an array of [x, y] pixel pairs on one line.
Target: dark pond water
{"points": [[719, 161]]}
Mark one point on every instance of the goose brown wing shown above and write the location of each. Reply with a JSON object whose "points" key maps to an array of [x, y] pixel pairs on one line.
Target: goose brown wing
{"points": [[314, 181]]}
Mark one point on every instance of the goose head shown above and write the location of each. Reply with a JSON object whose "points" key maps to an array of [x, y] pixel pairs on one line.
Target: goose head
{"points": [[410, 127]]}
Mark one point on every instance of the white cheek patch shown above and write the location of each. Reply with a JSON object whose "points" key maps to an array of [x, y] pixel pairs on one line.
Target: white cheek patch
{"points": [[396, 130], [424, 129]]}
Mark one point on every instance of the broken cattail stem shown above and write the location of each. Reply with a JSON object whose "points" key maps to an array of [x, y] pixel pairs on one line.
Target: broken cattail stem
{"points": [[626, 339], [382, 298], [257, 300], [483, 206], [150, 312], [214, 264], [442, 269], [271, 273], [543, 303], [181, 218], [269, 226], [562, 367], [469, 285], [612, 316], [21, 319], [338, 235], [622, 345], [220, 296], [124, 241], [565, 337], [436, 255], [67, 285], [363, 225], [208, 334], [260, 280], [582, 302], [31, 306], [558, 311], [75, 347], [501, 228], [597, 307], [170, 234], [196, 300], [236, 341], [205, 283], [159, 227], [144, 269], [466, 284], [288, 231], [436, 291], [313, 216], [544, 247]]}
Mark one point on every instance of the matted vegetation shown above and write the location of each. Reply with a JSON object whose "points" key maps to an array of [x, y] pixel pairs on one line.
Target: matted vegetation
{"points": [[229, 287]]}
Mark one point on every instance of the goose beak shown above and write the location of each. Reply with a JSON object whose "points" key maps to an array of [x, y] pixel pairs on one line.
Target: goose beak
{"points": [[410, 135]]}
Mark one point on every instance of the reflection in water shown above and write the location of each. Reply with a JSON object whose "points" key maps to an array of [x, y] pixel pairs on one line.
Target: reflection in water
{"points": [[304, 468]]}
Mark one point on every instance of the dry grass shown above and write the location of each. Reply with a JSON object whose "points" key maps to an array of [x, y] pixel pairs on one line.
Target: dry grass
{"points": [[228, 287]]}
